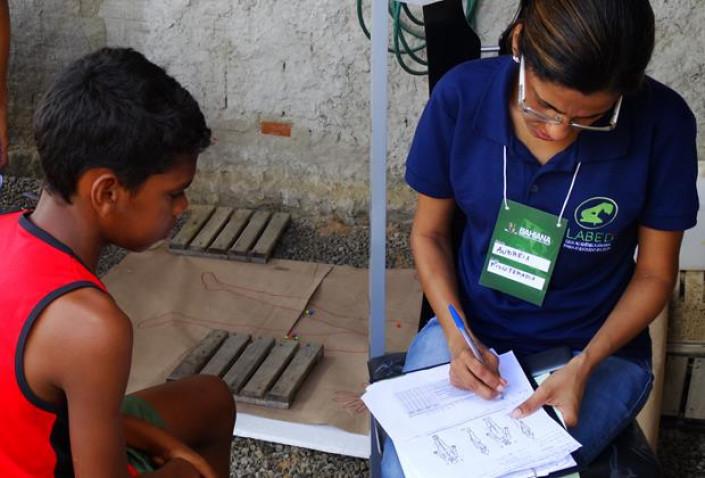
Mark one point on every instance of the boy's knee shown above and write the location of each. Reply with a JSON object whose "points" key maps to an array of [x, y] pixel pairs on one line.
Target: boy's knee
{"points": [[215, 395], [219, 392]]}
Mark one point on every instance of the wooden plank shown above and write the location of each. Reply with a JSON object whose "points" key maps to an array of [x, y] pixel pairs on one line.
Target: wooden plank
{"points": [[278, 358], [231, 231], [249, 235], [226, 355], [695, 406], [199, 355], [211, 229], [674, 381], [198, 215], [249, 361], [262, 402], [288, 384], [692, 349], [265, 245]]}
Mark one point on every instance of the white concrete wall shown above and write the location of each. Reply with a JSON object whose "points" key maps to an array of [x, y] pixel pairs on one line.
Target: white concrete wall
{"points": [[46, 35], [304, 63]]}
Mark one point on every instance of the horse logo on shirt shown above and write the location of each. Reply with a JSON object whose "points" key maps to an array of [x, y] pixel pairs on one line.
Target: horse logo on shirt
{"points": [[596, 212]]}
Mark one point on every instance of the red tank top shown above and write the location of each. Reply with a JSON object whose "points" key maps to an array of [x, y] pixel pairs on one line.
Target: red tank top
{"points": [[35, 269]]}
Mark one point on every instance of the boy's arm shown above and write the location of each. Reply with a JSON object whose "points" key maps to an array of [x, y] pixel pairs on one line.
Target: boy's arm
{"points": [[4, 60], [87, 342], [162, 446]]}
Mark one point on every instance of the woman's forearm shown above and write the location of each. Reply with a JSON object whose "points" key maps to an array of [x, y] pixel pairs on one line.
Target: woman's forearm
{"points": [[642, 301], [644, 298], [434, 265]]}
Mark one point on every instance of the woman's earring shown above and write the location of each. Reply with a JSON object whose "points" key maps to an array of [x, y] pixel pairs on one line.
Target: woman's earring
{"points": [[515, 58]]}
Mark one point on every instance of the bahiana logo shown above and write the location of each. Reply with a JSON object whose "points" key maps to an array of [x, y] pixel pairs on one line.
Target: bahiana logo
{"points": [[596, 212]]}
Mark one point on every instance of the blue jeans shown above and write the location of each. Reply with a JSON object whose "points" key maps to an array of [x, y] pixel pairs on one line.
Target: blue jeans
{"points": [[614, 394]]}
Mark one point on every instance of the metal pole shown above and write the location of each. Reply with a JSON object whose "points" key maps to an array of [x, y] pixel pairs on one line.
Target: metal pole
{"points": [[378, 198], [378, 177]]}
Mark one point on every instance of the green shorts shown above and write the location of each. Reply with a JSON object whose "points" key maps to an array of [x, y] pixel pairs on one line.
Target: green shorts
{"points": [[137, 407]]}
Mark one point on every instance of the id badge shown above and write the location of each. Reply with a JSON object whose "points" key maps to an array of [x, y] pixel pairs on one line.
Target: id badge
{"points": [[522, 253]]}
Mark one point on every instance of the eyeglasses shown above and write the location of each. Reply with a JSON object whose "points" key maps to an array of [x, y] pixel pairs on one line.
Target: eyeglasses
{"points": [[557, 118]]}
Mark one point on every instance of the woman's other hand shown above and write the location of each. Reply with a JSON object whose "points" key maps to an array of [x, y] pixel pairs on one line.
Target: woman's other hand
{"points": [[563, 389]]}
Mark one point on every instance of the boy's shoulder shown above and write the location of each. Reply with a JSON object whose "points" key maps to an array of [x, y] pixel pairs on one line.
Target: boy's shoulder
{"points": [[86, 320], [81, 339]]}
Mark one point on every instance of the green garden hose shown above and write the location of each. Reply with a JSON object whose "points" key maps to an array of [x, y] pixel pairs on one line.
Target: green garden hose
{"points": [[405, 23]]}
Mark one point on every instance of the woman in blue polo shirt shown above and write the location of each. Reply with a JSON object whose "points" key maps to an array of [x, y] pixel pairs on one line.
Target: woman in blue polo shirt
{"points": [[562, 158]]}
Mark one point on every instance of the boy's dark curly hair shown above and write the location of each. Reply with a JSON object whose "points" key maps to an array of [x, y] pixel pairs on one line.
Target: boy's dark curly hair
{"points": [[115, 109]]}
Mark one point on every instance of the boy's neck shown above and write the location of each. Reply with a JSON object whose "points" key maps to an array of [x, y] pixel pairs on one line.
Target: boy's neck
{"points": [[71, 226]]}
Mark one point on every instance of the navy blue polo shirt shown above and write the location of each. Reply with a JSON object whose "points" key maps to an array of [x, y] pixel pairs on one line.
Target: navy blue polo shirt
{"points": [[642, 173]]}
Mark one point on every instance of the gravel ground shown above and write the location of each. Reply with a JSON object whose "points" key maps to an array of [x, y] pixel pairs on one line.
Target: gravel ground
{"points": [[681, 445], [682, 448]]}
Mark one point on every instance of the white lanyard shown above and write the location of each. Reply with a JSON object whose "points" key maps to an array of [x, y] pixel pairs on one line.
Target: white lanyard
{"points": [[565, 203]]}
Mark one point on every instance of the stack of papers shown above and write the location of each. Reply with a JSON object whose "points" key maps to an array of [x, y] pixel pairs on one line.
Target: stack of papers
{"points": [[440, 430]]}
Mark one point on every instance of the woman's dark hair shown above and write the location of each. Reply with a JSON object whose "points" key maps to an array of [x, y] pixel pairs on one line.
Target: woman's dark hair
{"points": [[587, 45], [115, 109]]}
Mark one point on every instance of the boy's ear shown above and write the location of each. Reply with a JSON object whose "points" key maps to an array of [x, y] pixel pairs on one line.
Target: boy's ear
{"points": [[104, 190]]}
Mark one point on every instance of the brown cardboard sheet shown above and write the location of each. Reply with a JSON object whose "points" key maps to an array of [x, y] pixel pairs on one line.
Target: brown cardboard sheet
{"points": [[331, 394], [173, 301]]}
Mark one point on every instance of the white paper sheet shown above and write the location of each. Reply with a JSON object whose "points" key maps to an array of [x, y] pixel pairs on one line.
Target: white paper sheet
{"points": [[439, 430]]}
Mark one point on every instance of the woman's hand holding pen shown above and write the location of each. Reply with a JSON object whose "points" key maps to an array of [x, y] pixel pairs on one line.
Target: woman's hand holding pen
{"points": [[469, 373], [472, 366]]}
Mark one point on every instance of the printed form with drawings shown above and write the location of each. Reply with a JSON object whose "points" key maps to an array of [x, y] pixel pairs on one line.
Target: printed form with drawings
{"points": [[440, 430]]}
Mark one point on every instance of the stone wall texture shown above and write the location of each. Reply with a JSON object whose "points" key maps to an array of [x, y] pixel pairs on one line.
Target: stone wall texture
{"points": [[301, 65]]}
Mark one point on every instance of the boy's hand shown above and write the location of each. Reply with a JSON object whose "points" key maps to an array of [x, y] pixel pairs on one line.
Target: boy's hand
{"points": [[162, 446], [181, 451], [563, 389], [469, 373]]}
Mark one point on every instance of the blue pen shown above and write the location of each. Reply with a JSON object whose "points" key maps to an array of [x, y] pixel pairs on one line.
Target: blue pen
{"points": [[461, 328]]}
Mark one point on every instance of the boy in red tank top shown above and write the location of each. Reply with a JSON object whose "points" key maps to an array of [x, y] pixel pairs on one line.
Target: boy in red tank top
{"points": [[118, 141]]}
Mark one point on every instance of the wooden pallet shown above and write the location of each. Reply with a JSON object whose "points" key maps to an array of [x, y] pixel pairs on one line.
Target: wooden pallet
{"points": [[226, 233], [262, 370], [684, 382]]}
